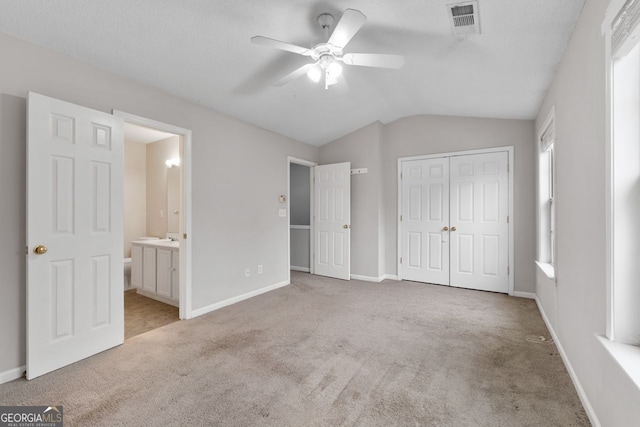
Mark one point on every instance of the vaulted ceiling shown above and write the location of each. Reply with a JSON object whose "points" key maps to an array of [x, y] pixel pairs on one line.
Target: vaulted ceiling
{"points": [[200, 50]]}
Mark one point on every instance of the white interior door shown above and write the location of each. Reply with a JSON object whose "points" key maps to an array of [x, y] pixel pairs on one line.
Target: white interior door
{"points": [[424, 220], [332, 220], [74, 209], [479, 222]]}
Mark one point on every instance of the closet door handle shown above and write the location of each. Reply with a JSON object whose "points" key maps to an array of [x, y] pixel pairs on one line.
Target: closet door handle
{"points": [[453, 229], [445, 228]]}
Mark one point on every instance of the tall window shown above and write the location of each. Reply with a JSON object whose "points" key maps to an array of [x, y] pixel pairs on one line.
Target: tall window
{"points": [[546, 195], [623, 197]]}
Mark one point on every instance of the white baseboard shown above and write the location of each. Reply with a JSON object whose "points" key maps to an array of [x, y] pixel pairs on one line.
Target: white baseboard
{"points": [[367, 278], [303, 269], [12, 374], [529, 295], [391, 277], [572, 373], [212, 307]]}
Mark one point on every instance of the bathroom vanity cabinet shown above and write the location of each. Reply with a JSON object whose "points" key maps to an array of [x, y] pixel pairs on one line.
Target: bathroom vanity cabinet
{"points": [[155, 270]]}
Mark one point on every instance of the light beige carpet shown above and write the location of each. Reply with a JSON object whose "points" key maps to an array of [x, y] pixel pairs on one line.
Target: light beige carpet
{"points": [[327, 352]]}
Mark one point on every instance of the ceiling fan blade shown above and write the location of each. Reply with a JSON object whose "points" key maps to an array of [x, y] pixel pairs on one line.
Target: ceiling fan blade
{"points": [[277, 44], [347, 27], [295, 74], [373, 60]]}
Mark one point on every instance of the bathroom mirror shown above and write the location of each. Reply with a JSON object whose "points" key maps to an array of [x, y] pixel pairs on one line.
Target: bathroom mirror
{"points": [[173, 199]]}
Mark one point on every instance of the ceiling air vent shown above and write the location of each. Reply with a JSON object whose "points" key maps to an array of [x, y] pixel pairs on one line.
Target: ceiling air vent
{"points": [[464, 18]]}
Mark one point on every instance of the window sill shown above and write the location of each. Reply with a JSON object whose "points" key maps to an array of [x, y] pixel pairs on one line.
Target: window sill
{"points": [[547, 269], [627, 356]]}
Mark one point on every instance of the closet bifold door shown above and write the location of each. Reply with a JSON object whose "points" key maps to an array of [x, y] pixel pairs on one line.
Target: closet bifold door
{"points": [[479, 209], [425, 219]]}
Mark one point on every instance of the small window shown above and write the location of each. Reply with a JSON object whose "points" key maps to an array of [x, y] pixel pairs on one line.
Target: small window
{"points": [[546, 194]]}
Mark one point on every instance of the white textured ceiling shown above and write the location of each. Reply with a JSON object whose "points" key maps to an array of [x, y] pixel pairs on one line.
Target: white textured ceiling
{"points": [[200, 50]]}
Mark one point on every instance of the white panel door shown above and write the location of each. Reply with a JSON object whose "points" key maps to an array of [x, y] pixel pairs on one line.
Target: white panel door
{"points": [[479, 222], [332, 219], [424, 220], [74, 209]]}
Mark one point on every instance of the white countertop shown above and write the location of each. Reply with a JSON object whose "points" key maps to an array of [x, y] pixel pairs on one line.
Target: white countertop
{"points": [[158, 243]]}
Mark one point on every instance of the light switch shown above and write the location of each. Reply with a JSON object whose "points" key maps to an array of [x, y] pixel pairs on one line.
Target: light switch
{"points": [[282, 213]]}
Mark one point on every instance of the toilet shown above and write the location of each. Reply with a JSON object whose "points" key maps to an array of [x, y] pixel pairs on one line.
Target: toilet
{"points": [[127, 265]]}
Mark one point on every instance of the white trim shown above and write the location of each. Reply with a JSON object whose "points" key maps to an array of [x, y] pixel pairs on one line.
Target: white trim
{"points": [[609, 213], [12, 374], [300, 227], [367, 278], [627, 356], [186, 302], [303, 269], [233, 300], [512, 219], [548, 270], [390, 277], [456, 153], [576, 382], [311, 165], [528, 295]]}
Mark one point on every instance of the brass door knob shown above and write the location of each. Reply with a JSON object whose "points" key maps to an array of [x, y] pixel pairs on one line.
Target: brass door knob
{"points": [[40, 249], [445, 228], [453, 229], [345, 226]]}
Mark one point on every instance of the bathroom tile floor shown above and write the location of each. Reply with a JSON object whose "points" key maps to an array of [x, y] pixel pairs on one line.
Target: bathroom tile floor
{"points": [[142, 314]]}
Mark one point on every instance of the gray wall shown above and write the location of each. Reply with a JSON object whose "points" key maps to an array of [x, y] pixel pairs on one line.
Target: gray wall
{"points": [[13, 173], [374, 196], [238, 172], [576, 303], [418, 135], [300, 213], [300, 249], [362, 149], [300, 194]]}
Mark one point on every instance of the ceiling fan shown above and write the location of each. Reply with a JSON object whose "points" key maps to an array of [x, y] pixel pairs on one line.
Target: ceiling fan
{"points": [[328, 56]]}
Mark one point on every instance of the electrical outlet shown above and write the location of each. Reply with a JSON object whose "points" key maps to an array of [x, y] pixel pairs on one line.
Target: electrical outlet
{"points": [[260, 269], [247, 272]]}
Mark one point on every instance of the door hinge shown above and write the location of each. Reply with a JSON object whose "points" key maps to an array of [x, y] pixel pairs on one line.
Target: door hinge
{"points": [[184, 236], [26, 250], [400, 217], [400, 260], [507, 219], [508, 270]]}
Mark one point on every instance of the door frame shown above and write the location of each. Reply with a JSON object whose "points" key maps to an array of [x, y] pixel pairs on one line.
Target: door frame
{"points": [[510, 152], [311, 165], [185, 303]]}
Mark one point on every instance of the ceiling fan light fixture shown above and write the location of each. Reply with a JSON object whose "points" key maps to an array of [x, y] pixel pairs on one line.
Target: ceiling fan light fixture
{"points": [[331, 79], [334, 69], [315, 74]]}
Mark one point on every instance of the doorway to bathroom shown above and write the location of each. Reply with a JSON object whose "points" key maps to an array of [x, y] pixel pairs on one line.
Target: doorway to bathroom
{"points": [[155, 224]]}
